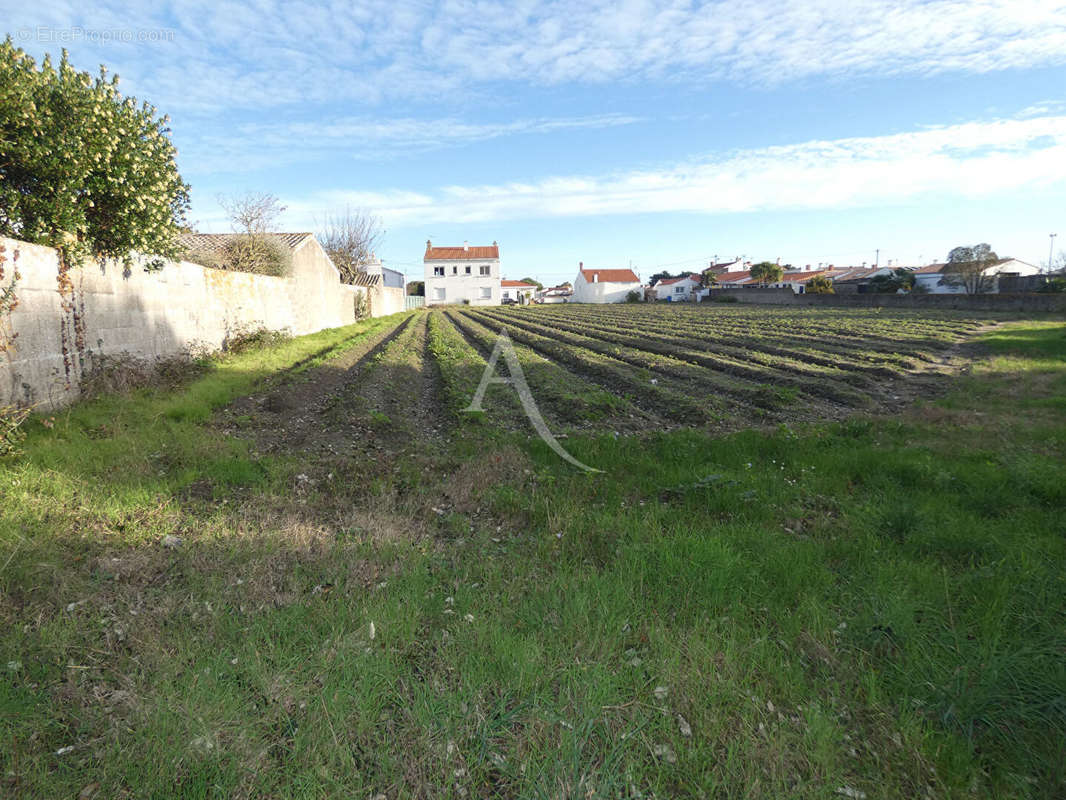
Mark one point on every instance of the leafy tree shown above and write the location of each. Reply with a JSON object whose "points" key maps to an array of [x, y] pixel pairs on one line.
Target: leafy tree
{"points": [[536, 283], [662, 276], [820, 284], [708, 279], [767, 272], [416, 288], [967, 267], [892, 282], [82, 168]]}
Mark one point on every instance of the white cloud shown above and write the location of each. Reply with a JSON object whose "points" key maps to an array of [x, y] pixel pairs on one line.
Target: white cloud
{"points": [[971, 159], [255, 146], [262, 54]]}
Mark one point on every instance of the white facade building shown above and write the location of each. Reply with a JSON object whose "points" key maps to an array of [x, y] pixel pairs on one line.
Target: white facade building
{"points": [[677, 289], [930, 277], [462, 275], [605, 285]]}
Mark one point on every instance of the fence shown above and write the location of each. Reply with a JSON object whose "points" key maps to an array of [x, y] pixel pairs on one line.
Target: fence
{"points": [[958, 302], [414, 301], [111, 311]]}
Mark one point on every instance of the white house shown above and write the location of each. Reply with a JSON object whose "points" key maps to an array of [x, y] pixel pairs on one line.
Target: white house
{"points": [[930, 277], [563, 293], [605, 285], [519, 291], [462, 274], [677, 289]]}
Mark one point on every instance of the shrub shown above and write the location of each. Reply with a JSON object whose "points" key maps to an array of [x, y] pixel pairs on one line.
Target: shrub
{"points": [[83, 169], [11, 433], [241, 341], [1054, 286], [261, 254], [820, 285], [123, 374], [633, 297]]}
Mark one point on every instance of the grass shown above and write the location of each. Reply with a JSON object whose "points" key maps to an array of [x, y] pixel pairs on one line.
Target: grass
{"points": [[874, 605]]}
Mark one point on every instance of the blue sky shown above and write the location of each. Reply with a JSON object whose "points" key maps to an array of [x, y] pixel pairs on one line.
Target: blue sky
{"points": [[659, 134]]}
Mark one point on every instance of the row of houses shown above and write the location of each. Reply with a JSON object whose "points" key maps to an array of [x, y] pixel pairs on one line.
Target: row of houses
{"points": [[471, 275], [929, 278]]}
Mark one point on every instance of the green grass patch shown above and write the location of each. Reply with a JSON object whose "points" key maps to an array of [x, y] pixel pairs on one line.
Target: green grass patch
{"points": [[873, 606]]}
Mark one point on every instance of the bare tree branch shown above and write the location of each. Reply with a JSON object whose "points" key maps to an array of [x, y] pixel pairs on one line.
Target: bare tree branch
{"points": [[350, 239]]}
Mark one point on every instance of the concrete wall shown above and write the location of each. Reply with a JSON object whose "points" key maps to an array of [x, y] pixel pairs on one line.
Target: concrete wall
{"points": [[151, 314], [385, 300], [947, 302]]}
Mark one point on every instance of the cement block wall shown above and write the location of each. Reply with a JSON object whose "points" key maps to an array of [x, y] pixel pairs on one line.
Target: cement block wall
{"points": [[151, 314], [930, 302]]}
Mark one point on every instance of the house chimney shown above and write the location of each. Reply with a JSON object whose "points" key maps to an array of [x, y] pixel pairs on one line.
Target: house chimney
{"points": [[466, 245], [429, 243], [580, 264]]}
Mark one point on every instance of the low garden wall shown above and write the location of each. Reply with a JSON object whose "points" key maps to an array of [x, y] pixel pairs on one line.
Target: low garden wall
{"points": [[960, 302], [109, 310]]}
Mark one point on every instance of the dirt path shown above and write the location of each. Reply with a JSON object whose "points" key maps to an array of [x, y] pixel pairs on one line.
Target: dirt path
{"points": [[381, 394]]}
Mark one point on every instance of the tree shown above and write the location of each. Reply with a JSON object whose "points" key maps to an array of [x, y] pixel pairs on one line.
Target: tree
{"points": [[350, 239], [767, 272], [416, 288], [254, 218], [83, 169], [970, 268], [892, 282], [662, 276], [820, 284], [536, 283], [708, 279]]}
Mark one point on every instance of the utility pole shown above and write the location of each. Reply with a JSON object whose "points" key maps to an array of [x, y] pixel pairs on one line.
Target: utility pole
{"points": [[1050, 250]]}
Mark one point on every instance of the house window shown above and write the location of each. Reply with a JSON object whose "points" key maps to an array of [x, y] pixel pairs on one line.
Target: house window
{"points": [[486, 269], [438, 272], [455, 270], [468, 270], [506, 295], [679, 290], [486, 292], [438, 294]]}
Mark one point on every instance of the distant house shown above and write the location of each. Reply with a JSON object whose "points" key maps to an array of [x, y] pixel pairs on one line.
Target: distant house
{"points": [[462, 274], [733, 278], [605, 285], [931, 278], [520, 291], [562, 293], [677, 289]]}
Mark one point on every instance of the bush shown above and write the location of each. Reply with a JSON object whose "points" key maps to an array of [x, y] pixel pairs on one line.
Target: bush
{"points": [[11, 433], [121, 375], [241, 341], [83, 169], [820, 285], [1053, 286], [633, 297]]}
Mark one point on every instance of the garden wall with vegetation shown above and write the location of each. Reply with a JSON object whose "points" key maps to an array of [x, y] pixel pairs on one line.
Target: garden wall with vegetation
{"points": [[106, 309], [960, 302]]}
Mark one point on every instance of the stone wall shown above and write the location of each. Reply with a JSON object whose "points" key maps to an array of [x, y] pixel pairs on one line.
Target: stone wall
{"points": [[151, 314], [944, 302]]}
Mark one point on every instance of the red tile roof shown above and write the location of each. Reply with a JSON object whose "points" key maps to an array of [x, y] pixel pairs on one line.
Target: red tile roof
{"points": [[517, 284], [733, 276], [460, 253], [803, 277], [668, 281], [610, 275]]}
